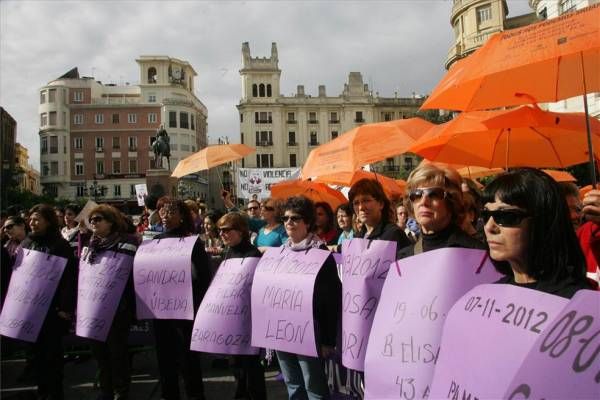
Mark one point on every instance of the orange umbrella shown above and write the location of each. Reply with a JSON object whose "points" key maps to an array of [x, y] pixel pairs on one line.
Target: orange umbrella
{"points": [[390, 186], [315, 191], [211, 156], [560, 176], [549, 61], [363, 145], [469, 171], [525, 136]]}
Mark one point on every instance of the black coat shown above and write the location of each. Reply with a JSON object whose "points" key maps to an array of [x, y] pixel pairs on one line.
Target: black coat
{"points": [[327, 303], [452, 236], [566, 288], [243, 250], [201, 275], [386, 231]]}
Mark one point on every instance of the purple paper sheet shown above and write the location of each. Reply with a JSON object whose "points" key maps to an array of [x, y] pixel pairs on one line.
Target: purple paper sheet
{"points": [[162, 277], [33, 283], [487, 336], [564, 362], [223, 323], [365, 266], [99, 292], [406, 334], [282, 300]]}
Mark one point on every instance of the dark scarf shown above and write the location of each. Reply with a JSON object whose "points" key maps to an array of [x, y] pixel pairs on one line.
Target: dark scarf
{"points": [[98, 244]]}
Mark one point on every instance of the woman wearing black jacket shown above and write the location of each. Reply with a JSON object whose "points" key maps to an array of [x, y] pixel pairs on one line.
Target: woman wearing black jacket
{"points": [[248, 371], [109, 236], [304, 375], [47, 351], [173, 336]]}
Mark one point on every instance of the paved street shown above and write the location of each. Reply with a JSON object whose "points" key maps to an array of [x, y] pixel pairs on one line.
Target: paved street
{"points": [[79, 380]]}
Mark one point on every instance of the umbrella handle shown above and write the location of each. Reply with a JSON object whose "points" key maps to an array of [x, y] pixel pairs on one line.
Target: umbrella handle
{"points": [[587, 126]]}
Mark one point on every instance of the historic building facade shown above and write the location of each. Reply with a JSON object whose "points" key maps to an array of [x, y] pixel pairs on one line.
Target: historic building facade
{"points": [[28, 177], [284, 129], [474, 21], [98, 133]]}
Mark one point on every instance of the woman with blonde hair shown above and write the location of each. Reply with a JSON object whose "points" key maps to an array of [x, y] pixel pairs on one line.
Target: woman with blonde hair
{"points": [[436, 201], [273, 233]]}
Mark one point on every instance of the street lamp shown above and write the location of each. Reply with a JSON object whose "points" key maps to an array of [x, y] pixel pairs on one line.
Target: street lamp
{"points": [[95, 190]]}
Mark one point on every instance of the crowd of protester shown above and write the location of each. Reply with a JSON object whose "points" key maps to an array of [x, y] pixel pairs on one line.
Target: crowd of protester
{"points": [[539, 234]]}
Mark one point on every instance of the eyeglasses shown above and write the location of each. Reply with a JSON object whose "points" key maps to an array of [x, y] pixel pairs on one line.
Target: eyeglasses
{"points": [[96, 219], [225, 230], [292, 218], [253, 208], [9, 226], [506, 218], [267, 208], [433, 193]]}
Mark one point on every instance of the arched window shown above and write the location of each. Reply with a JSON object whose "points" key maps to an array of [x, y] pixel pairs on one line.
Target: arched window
{"points": [[254, 90], [261, 90], [151, 75], [269, 90]]}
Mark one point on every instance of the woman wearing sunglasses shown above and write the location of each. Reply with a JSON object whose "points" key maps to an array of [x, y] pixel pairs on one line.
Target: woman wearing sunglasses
{"points": [[273, 233], [304, 376], [248, 371], [436, 201], [173, 336], [47, 351], [109, 235], [530, 235]]}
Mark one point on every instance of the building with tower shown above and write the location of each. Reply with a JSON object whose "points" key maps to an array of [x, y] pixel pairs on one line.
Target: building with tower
{"points": [[98, 136], [284, 129]]}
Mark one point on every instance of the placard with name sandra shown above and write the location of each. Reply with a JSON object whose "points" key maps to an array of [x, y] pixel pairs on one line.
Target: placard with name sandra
{"points": [[282, 300], [162, 277], [405, 338], [223, 323], [487, 336], [33, 282]]}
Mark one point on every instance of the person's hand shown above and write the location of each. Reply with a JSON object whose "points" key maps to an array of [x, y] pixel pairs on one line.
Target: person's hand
{"points": [[591, 206], [327, 351]]}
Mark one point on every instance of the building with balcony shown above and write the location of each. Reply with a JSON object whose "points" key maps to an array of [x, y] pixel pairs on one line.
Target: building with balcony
{"points": [[90, 131], [28, 178], [284, 129], [548, 9], [474, 21]]}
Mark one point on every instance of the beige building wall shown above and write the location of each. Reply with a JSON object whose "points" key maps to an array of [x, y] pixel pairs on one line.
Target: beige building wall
{"points": [[29, 177], [94, 131], [284, 129]]}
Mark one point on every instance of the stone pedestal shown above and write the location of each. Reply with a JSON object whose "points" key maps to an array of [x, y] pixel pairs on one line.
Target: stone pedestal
{"points": [[160, 183]]}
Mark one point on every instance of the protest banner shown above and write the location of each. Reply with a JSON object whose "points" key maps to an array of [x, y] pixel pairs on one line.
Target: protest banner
{"points": [[257, 181], [365, 267], [564, 361], [141, 191], [33, 282], [282, 300], [99, 291], [487, 336], [223, 323], [162, 278], [406, 333]]}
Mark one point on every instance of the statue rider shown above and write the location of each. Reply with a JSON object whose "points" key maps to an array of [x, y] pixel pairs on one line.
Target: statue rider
{"points": [[162, 146]]}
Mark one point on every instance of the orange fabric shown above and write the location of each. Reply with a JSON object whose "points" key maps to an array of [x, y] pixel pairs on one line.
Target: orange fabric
{"points": [[363, 145], [470, 171], [211, 156], [543, 60], [525, 136], [390, 186], [315, 191]]}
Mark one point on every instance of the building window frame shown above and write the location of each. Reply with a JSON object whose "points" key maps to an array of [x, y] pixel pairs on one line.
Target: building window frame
{"points": [[79, 167], [78, 143], [132, 118], [77, 119], [152, 118], [99, 118]]}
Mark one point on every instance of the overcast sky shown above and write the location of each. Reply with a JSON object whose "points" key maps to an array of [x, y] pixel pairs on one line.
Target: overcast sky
{"points": [[398, 46]]}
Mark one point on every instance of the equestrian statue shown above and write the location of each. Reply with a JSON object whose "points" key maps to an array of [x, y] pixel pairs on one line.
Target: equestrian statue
{"points": [[161, 148]]}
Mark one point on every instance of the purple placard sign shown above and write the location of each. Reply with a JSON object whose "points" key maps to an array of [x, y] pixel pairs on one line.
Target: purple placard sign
{"points": [[223, 324], [406, 334], [486, 337], [564, 362], [99, 292], [162, 277], [33, 283], [282, 300], [366, 264]]}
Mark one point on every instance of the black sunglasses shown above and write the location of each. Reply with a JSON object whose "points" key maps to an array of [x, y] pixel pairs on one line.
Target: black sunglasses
{"points": [[433, 193], [96, 219], [252, 208], [507, 218], [293, 218]]}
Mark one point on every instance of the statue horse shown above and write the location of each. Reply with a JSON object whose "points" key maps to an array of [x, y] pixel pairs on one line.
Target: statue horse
{"points": [[161, 148]]}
